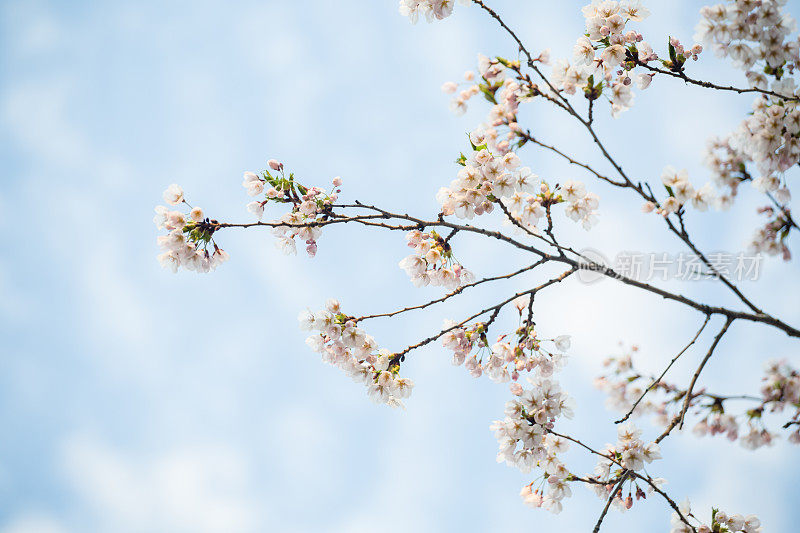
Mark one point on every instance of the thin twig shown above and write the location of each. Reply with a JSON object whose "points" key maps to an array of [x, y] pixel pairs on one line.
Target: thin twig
{"points": [[679, 418], [617, 490], [659, 378], [454, 293], [495, 308], [688, 399], [709, 85]]}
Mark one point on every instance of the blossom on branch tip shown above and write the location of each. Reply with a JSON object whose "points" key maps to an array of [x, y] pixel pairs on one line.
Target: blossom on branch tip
{"points": [[343, 344], [310, 206]]}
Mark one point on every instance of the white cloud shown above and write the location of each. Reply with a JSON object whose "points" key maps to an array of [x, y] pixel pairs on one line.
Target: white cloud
{"points": [[32, 523], [203, 488]]}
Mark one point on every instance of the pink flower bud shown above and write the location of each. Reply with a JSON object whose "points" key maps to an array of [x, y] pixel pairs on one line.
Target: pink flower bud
{"points": [[274, 164]]}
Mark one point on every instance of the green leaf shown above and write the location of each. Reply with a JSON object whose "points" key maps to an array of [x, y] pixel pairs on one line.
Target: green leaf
{"points": [[488, 93]]}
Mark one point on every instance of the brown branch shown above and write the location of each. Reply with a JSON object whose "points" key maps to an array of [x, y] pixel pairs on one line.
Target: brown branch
{"points": [[527, 135], [646, 479], [709, 85], [628, 183], [657, 380], [617, 490], [454, 293], [576, 264], [678, 420], [531, 62], [688, 399], [495, 309]]}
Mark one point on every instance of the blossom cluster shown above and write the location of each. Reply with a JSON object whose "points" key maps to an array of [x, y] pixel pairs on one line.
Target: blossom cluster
{"points": [[605, 33], [509, 356], [345, 345], [756, 35], [606, 56], [629, 453], [728, 169], [188, 237], [682, 192], [770, 138], [720, 522], [430, 9], [771, 237], [524, 441], [310, 206], [432, 262], [781, 391], [486, 179], [504, 93], [523, 436]]}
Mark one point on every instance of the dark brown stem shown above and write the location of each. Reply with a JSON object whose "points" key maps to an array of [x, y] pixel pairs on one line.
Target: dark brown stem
{"points": [[495, 309], [709, 85], [659, 378], [627, 182], [678, 420], [583, 263], [646, 479], [617, 490], [688, 399], [454, 293]]}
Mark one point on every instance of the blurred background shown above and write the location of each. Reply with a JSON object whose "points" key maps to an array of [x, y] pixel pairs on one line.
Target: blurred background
{"points": [[132, 399]]}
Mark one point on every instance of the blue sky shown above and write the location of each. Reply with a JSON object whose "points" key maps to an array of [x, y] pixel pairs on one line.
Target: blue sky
{"points": [[135, 400]]}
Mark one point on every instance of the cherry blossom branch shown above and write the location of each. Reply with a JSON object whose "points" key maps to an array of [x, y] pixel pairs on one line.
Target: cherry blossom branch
{"points": [[646, 479], [517, 223], [688, 399], [679, 418], [628, 183], [648, 196], [707, 84], [454, 293], [489, 175], [531, 62], [657, 380], [582, 264], [495, 309], [612, 496], [606, 271], [786, 213], [530, 138]]}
